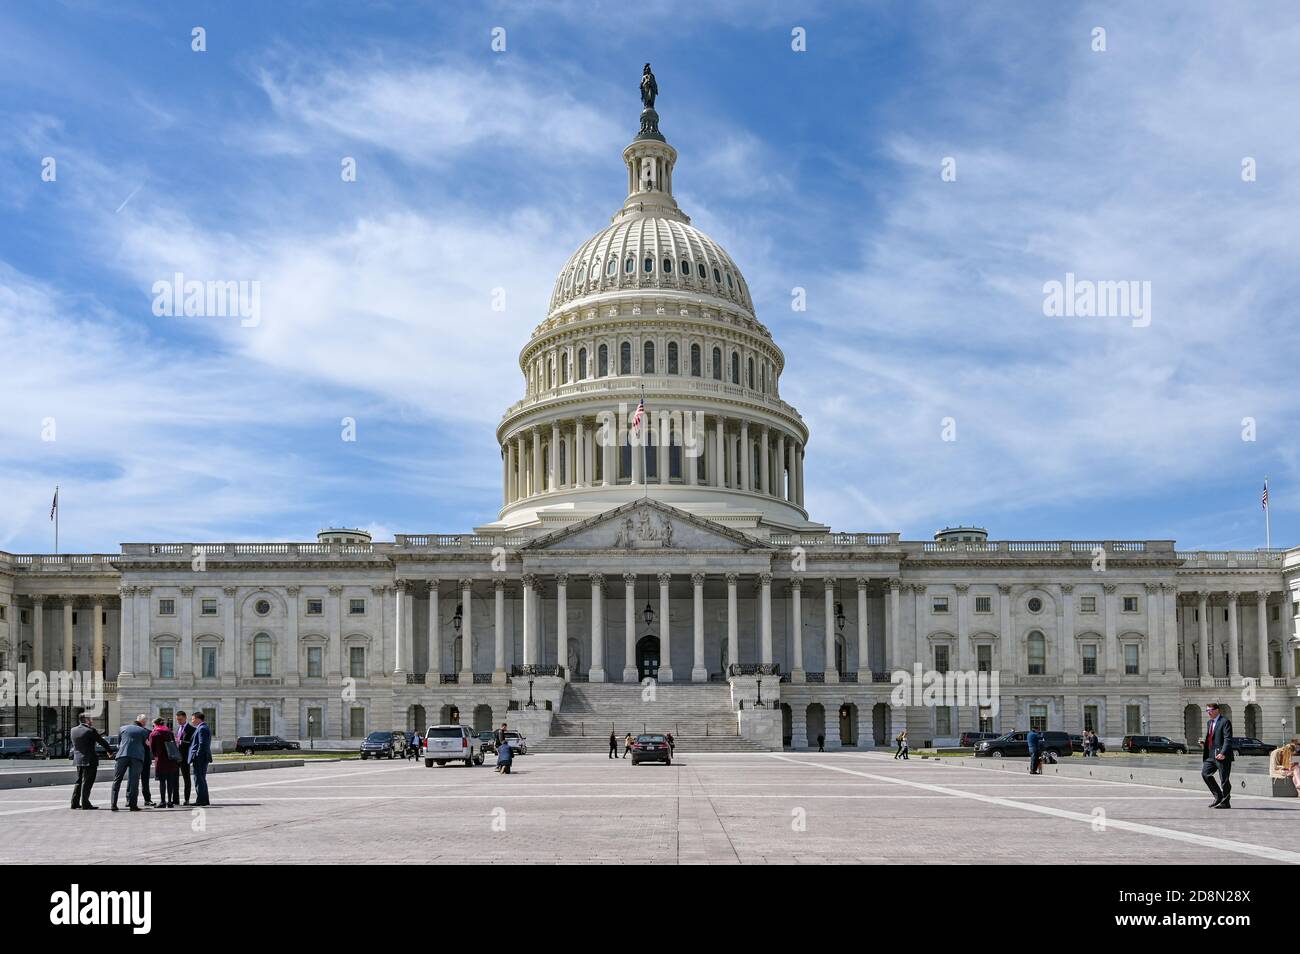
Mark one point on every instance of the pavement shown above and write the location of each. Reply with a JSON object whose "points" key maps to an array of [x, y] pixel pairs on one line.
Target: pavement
{"points": [[704, 808]]}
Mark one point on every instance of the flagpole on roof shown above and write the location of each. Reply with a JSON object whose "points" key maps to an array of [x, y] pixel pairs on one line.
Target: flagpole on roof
{"points": [[54, 514], [1268, 530]]}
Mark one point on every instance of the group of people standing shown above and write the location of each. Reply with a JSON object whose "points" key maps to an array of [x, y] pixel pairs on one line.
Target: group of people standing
{"points": [[172, 754]]}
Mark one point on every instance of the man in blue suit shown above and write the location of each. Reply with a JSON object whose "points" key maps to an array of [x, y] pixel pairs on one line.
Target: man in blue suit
{"points": [[1216, 753], [200, 757], [132, 751], [1035, 740]]}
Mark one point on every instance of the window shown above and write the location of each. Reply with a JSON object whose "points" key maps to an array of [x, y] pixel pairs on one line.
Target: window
{"points": [[648, 265], [1037, 654], [357, 722], [984, 657], [602, 361], [24, 617], [315, 607], [207, 607], [261, 655], [1090, 660], [648, 358], [166, 662], [984, 604], [986, 719], [261, 721], [582, 363], [314, 668], [1133, 720], [672, 358], [940, 658], [749, 373], [717, 276], [939, 604], [701, 270], [735, 367], [208, 662], [1038, 718], [357, 662], [262, 607], [1131, 605], [1132, 659], [686, 269], [1090, 718], [1034, 605], [315, 723], [1276, 613], [717, 364], [168, 715], [3, 613], [629, 266], [625, 358], [612, 267], [357, 607], [1087, 604], [668, 266], [564, 369], [166, 607], [695, 373], [943, 721]]}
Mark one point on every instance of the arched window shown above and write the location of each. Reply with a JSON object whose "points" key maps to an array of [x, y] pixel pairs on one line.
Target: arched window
{"points": [[625, 358], [668, 265], [564, 368], [686, 269], [602, 361], [717, 364], [649, 265], [735, 367], [695, 360], [717, 276], [629, 266], [672, 358], [612, 267], [550, 373], [648, 358], [750, 372], [702, 270], [582, 363], [595, 270], [262, 655], [1037, 654]]}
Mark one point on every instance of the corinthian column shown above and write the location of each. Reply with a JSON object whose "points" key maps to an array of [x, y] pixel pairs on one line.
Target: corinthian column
{"points": [[596, 673], [698, 672], [629, 627], [1261, 636], [831, 672], [665, 634]]}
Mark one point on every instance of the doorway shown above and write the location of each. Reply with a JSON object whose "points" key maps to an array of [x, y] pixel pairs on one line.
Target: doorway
{"points": [[647, 658]]}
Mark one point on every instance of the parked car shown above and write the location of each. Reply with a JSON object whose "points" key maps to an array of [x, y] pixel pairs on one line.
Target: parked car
{"points": [[1153, 743], [651, 748], [971, 739], [23, 747], [253, 744], [487, 742], [1016, 745], [450, 743], [518, 744], [1076, 743], [1242, 745], [384, 745]]}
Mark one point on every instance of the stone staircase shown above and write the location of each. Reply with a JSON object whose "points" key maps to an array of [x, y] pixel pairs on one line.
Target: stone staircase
{"points": [[699, 715]]}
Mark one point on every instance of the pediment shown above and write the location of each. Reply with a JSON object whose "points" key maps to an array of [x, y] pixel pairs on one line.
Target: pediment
{"points": [[646, 525]]}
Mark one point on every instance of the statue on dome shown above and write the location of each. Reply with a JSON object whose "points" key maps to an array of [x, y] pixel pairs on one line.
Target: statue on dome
{"points": [[649, 88]]}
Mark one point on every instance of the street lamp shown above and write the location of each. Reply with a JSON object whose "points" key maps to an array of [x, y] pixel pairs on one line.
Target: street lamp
{"points": [[458, 618], [531, 704], [311, 732], [758, 703]]}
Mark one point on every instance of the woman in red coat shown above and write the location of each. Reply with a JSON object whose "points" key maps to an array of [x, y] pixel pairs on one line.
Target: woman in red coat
{"points": [[165, 768]]}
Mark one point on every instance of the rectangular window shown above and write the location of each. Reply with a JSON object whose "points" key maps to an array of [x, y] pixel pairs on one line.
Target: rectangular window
{"points": [[943, 721], [1277, 613], [262, 657], [166, 607], [314, 662], [315, 607], [261, 721], [75, 617], [24, 617], [3, 611], [208, 608], [356, 607], [1090, 720], [166, 662], [1087, 604], [208, 655], [941, 658], [939, 604], [986, 719], [357, 722], [167, 715], [984, 604], [357, 662], [1132, 720], [1130, 604], [315, 723], [1037, 661], [1131, 660], [1090, 660], [984, 658], [1038, 718]]}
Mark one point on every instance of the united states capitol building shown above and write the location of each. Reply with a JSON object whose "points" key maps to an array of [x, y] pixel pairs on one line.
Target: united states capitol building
{"points": [[674, 547]]}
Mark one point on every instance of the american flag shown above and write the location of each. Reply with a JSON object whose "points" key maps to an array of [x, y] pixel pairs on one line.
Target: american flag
{"points": [[636, 418], [54, 506], [1263, 501]]}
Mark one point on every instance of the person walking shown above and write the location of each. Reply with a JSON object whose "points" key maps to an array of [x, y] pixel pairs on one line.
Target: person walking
{"points": [[627, 744], [1035, 740], [200, 757], [132, 751], [184, 732], [672, 744], [166, 763], [613, 745], [901, 739], [1216, 755], [85, 737], [821, 742]]}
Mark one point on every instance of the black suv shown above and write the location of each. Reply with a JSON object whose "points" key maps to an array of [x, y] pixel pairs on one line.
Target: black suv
{"points": [[252, 744], [1153, 743], [23, 747], [969, 739], [1016, 745], [1242, 745], [384, 745]]}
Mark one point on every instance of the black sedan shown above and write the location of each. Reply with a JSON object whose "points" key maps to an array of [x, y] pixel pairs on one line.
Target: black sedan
{"points": [[651, 748], [1241, 745]]}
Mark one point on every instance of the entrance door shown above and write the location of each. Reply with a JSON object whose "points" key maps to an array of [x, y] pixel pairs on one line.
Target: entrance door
{"points": [[647, 658]]}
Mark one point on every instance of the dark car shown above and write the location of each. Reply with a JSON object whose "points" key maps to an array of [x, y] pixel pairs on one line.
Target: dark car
{"points": [[1016, 745], [1076, 743], [487, 742], [23, 747], [651, 748], [1153, 743], [253, 744], [971, 739], [384, 745], [1241, 745]]}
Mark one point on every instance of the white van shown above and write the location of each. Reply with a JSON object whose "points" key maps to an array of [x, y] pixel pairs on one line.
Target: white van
{"points": [[450, 743]]}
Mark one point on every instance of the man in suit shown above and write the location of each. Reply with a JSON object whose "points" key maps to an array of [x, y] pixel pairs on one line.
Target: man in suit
{"points": [[1035, 741], [200, 757], [184, 734], [85, 738], [132, 752], [1216, 751]]}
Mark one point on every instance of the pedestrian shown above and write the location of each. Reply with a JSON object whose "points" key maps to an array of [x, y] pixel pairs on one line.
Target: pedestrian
{"points": [[504, 757], [901, 739], [132, 751], [85, 738], [627, 744], [499, 735], [672, 744], [1035, 740], [200, 757], [166, 763], [184, 732], [613, 745], [821, 742], [1216, 755], [413, 748]]}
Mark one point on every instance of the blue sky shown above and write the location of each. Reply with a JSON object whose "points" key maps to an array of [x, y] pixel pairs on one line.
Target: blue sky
{"points": [[479, 170]]}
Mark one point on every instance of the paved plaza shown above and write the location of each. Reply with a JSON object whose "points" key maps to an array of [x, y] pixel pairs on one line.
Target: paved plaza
{"points": [[705, 808]]}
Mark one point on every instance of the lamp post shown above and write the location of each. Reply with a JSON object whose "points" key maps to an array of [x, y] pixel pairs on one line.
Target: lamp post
{"points": [[311, 732], [758, 703], [531, 704]]}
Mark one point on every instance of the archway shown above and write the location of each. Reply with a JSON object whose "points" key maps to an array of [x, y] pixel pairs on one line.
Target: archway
{"points": [[816, 723], [880, 723], [450, 715], [787, 724], [483, 718], [1192, 726], [415, 720], [647, 658], [848, 715], [1254, 721]]}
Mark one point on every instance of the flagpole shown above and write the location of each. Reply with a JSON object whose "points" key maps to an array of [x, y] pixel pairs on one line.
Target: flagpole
{"points": [[1268, 529], [56, 519]]}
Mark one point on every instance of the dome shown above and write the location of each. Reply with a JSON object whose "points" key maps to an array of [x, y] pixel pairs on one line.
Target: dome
{"points": [[650, 252]]}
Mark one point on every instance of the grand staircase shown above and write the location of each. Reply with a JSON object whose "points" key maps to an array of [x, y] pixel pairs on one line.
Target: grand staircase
{"points": [[699, 715]]}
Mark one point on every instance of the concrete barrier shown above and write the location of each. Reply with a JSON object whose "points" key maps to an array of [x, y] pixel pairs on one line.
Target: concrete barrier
{"points": [[1243, 782], [66, 775]]}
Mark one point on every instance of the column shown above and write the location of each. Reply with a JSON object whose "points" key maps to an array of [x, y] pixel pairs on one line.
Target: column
{"points": [[629, 627], [692, 448], [733, 625], [553, 479], [435, 635], [97, 642], [69, 642], [505, 476], [126, 645], [1169, 615], [798, 469], [530, 617], [467, 626], [290, 639], [334, 621], [796, 599], [579, 465], [538, 483], [790, 493], [1009, 661], [1261, 636], [400, 631], [779, 490], [1069, 652], [1234, 661], [894, 637], [499, 632], [1112, 639], [1288, 653], [831, 673], [764, 462], [562, 619], [521, 475], [665, 632], [765, 625], [717, 475], [607, 445], [144, 630], [746, 457], [596, 672], [1155, 641], [663, 434], [511, 471], [1203, 624], [698, 672], [864, 646]]}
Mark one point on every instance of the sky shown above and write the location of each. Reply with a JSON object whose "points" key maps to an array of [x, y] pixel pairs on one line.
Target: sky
{"points": [[921, 170]]}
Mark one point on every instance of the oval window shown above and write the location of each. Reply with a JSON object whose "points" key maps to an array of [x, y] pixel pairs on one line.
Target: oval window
{"points": [[262, 607], [1035, 604], [630, 265], [703, 272], [649, 265], [717, 276], [668, 266], [686, 268]]}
